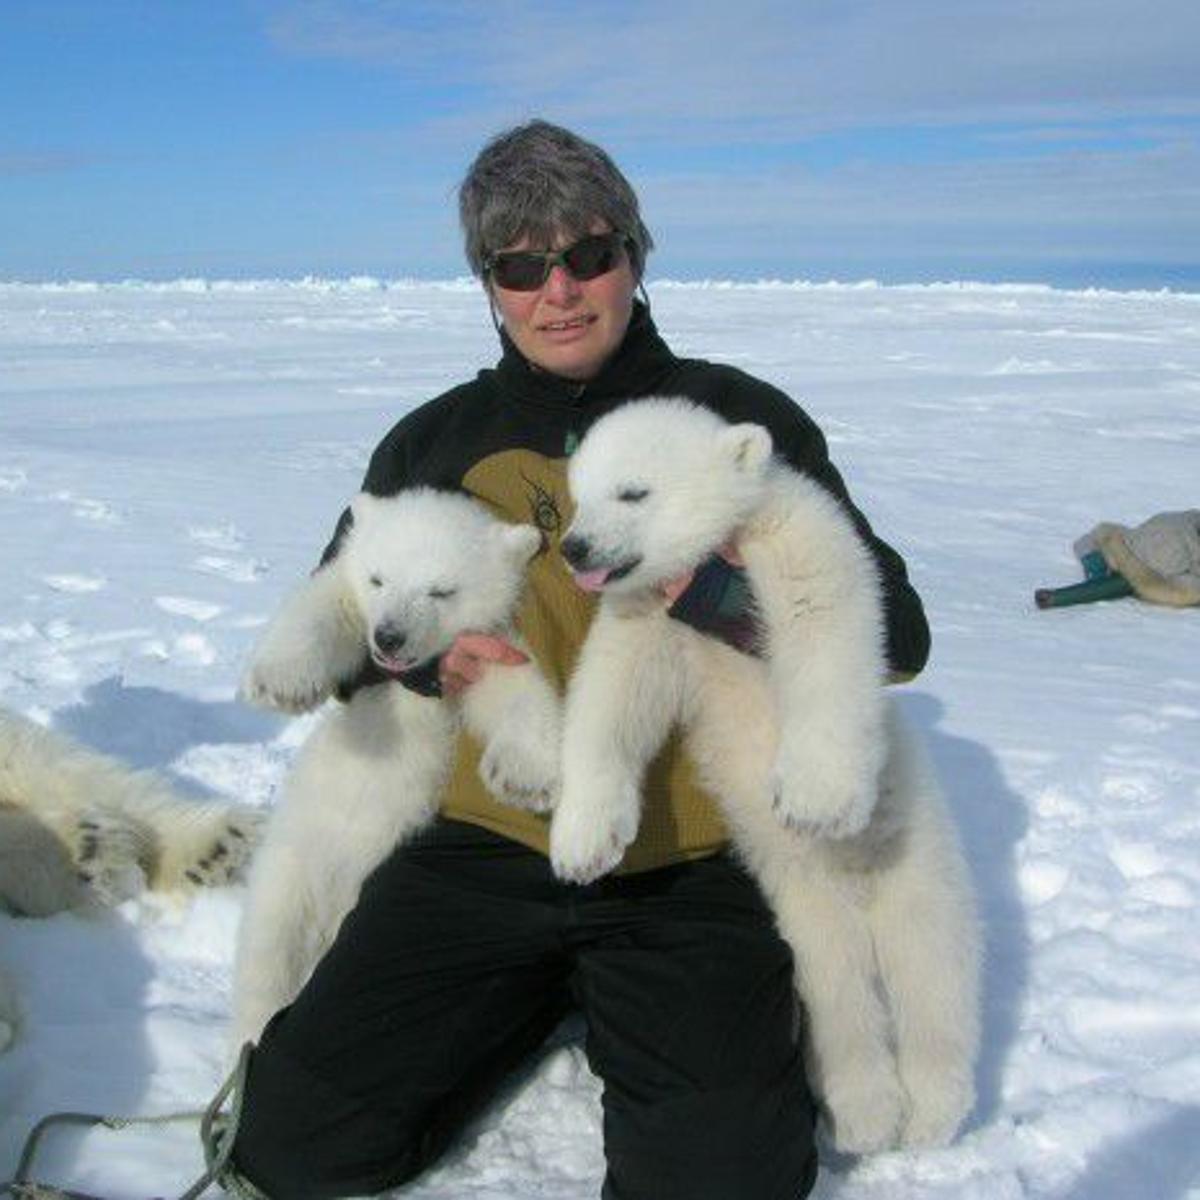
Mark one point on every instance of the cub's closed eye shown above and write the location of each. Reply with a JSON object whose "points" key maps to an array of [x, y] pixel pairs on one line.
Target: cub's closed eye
{"points": [[631, 495], [375, 581], [442, 593]]}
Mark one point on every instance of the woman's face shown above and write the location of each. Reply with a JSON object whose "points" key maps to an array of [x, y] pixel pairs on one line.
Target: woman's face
{"points": [[569, 327]]}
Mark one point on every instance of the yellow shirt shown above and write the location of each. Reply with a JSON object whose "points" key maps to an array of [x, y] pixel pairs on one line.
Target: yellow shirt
{"points": [[679, 820]]}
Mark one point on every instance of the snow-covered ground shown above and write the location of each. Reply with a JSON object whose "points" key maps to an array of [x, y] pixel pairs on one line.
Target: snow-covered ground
{"points": [[172, 459]]}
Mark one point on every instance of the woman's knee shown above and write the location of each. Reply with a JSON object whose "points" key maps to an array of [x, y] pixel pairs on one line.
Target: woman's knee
{"points": [[749, 1143], [298, 1138]]}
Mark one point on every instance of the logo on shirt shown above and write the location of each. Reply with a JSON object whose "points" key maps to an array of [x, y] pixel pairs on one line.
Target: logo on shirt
{"points": [[543, 508]]}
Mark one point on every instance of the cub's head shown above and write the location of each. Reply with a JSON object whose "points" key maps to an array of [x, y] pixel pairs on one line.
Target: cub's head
{"points": [[658, 485], [424, 566]]}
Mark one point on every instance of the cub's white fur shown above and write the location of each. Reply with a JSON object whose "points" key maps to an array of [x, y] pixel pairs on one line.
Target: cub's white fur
{"points": [[79, 829], [413, 572], [830, 798]]}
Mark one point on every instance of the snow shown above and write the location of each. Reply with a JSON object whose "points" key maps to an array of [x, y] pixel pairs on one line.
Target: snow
{"points": [[173, 456]]}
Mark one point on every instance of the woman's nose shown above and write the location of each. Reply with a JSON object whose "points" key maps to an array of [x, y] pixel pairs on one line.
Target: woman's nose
{"points": [[560, 284]]}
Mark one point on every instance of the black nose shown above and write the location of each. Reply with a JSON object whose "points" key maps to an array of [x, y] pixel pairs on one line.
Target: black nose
{"points": [[389, 638], [575, 549]]}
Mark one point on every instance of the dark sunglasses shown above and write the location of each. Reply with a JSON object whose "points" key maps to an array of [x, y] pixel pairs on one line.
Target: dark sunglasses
{"points": [[527, 270]]}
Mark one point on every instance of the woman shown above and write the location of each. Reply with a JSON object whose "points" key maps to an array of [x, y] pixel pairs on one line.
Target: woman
{"points": [[464, 951]]}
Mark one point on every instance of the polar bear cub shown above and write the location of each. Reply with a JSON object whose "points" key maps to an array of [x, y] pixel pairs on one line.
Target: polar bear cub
{"points": [[78, 828], [829, 796], [415, 570], [658, 486]]}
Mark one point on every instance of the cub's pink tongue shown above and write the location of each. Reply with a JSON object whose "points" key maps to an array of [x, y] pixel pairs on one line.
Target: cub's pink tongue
{"points": [[591, 581]]}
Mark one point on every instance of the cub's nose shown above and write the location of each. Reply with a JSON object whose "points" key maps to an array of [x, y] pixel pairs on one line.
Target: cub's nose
{"points": [[389, 639], [576, 550]]}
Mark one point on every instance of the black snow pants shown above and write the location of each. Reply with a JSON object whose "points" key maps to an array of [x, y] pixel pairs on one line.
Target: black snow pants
{"points": [[464, 953]]}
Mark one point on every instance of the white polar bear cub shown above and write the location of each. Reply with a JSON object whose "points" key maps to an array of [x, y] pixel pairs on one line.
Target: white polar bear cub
{"points": [[414, 571], [80, 829], [867, 881]]}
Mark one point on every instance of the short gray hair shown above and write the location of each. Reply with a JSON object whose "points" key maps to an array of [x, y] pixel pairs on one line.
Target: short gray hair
{"points": [[539, 180]]}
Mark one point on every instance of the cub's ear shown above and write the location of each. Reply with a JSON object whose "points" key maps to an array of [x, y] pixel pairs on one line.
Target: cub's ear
{"points": [[748, 446], [521, 541]]}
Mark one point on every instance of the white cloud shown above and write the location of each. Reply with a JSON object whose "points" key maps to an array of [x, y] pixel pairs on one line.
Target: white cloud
{"points": [[1128, 207], [773, 68]]}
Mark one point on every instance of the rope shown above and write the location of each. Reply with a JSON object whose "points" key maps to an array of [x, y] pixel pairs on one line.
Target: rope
{"points": [[217, 1132]]}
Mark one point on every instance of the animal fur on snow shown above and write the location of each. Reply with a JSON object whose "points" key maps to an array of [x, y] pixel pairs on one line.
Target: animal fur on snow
{"points": [[1160, 557]]}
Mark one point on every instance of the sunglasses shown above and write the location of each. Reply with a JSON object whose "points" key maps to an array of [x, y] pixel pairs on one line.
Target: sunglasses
{"points": [[527, 270]]}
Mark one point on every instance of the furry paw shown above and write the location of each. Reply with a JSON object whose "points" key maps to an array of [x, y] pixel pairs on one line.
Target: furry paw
{"points": [[817, 797], [938, 1106], [225, 852], [287, 683], [588, 836], [521, 771], [108, 854], [863, 1111]]}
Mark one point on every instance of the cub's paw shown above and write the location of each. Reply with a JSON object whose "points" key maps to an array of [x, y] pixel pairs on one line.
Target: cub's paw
{"points": [[938, 1105], [290, 684], [221, 852], [521, 770], [588, 839], [863, 1111], [108, 854], [820, 798]]}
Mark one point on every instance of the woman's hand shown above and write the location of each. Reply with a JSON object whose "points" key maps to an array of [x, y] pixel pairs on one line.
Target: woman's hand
{"points": [[674, 588], [468, 657]]}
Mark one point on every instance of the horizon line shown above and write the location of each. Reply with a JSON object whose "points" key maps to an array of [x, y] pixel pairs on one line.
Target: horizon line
{"points": [[357, 281]]}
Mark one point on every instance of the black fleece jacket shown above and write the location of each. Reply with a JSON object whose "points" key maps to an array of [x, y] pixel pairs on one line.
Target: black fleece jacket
{"points": [[516, 406], [505, 438]]}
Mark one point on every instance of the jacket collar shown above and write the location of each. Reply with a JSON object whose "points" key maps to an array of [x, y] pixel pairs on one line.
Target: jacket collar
{"points": [[640, 363]]}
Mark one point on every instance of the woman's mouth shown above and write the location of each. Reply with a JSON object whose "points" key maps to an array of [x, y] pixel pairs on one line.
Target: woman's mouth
{"points": [[567, 328]]}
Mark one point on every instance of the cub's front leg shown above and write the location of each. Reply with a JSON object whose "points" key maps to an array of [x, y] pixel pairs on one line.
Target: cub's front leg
{"points": [[516, 714], [819, 600], [620, 706], [313, 644]]}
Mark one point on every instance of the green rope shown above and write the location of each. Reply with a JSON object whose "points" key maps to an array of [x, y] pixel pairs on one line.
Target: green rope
{"points": [[217, 1133]]}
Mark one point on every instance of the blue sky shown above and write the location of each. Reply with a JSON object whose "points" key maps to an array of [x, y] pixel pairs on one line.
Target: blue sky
{"points": [[1053, 140]]}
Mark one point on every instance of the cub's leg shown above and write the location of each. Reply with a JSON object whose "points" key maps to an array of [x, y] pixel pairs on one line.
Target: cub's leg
{"points": [[368, 777], [620, 706], [279, 939], [852, 1069], [818, 596], [927, 941], [312, 645], [517, 715]]}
